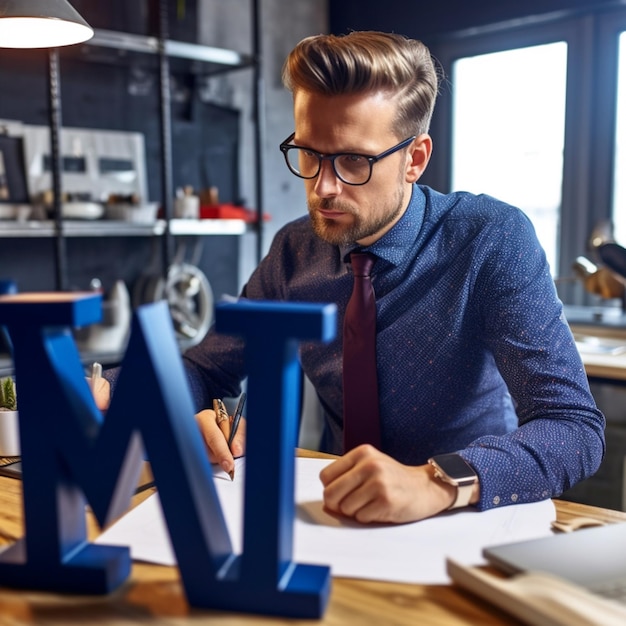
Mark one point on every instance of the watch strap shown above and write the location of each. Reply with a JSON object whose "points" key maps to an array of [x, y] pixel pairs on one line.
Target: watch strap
{"points": [[464, 485], [463, 494]]}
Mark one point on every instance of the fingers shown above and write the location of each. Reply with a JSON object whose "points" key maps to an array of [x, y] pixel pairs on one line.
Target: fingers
{"points": [[237, 447], [101, 391], [370, 486], [350, 484], [336, 469], [215, 426], [215, 440]]}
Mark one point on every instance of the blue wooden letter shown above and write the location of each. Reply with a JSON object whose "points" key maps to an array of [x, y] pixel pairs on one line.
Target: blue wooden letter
{"points": [[56, 555], [69, 452], [271, 332]]}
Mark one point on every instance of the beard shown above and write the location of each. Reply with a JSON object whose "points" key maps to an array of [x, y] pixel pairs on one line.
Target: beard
{"points": [[375, 219]]}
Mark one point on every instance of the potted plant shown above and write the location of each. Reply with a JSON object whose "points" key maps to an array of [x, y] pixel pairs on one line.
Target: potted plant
{"points": [[9, 430]]}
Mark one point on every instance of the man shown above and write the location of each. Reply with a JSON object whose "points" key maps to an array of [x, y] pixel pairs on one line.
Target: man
{"points": [[473, 355]]}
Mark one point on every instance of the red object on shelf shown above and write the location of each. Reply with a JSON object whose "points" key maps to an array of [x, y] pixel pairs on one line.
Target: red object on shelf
{"points": [[229, 212]]}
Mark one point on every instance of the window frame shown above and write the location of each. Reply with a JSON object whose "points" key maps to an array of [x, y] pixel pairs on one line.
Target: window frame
{"points": [[590, 116], [608, 29]]}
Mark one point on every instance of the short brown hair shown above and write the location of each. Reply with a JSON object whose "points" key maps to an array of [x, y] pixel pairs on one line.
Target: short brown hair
{"points": [[368, 61]]}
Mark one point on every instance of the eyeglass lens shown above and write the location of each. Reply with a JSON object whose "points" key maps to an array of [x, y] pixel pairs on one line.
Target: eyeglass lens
{"points": [[351, 168]]}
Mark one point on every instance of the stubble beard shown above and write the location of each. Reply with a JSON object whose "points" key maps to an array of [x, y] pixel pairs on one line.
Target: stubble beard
{"points": [[361, 227]]}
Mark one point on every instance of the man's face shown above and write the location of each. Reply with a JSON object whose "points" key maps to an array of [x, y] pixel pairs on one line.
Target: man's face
{"points": [[342, 213]]}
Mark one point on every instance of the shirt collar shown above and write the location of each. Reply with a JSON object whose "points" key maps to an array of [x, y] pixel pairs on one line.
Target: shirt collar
{"points": [[397, 242]]}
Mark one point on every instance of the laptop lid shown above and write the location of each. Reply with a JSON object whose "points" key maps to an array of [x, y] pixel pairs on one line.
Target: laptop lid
{"points": [[591, 557]]}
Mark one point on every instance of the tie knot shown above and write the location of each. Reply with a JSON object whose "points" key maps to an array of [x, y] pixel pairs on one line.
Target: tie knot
{"points": [[362, 263]]}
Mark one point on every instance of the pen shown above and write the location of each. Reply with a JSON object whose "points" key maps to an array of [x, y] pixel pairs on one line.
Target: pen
{"points": [[237, 417], [221, 415]]}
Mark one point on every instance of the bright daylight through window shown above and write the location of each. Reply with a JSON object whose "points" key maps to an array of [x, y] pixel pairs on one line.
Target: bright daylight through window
{"points": [[508, 132], [619, 187]]}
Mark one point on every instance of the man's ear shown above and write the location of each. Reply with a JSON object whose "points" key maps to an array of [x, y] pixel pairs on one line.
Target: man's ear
{"points": [[418, 157]]}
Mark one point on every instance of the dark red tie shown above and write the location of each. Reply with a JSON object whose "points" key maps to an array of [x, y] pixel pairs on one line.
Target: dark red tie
{"points": [[361, 421]]}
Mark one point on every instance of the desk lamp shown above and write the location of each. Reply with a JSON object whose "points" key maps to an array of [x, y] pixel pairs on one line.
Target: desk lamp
{"points": [[47, 24]]}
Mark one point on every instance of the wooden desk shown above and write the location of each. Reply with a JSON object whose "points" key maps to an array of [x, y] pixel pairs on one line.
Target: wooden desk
{"points": [[153, 594], [602, 366], [609, 368]]}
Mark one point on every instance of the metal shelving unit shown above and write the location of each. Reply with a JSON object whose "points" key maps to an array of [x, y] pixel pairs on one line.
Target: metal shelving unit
{"points": [[118, 48], [163, 55], [218, 59], [114, 228]]}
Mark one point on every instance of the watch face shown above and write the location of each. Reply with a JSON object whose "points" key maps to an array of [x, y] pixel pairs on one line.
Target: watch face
{"points": [[454, 466]]}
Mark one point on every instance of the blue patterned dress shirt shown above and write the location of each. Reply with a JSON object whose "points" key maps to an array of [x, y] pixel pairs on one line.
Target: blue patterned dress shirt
{"points": [[474, 354]]}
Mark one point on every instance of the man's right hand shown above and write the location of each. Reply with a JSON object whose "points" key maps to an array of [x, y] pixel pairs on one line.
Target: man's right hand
{"points": [[216, 440]]}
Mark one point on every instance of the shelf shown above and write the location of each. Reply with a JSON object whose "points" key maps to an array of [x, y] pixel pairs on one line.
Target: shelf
{"points": [[108, 359], [112, 228], [109, 46], [204, 227], [180, 49]]}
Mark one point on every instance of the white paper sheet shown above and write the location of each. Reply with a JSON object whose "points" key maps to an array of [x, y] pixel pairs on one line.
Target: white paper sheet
{"points": [[410, 553]]}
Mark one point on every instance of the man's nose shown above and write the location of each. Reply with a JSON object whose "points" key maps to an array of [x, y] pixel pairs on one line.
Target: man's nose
{"points": [[327, 183]]}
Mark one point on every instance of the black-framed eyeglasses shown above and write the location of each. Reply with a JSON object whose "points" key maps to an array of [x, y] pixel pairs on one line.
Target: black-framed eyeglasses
{"points": [[351, 168]]}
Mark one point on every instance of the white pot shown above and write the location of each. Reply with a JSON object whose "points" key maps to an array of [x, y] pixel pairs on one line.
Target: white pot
{"points": [[187, 207], [9, 433]]}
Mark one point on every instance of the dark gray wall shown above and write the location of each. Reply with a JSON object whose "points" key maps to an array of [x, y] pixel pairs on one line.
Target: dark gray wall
{"points": [[140, 17]]}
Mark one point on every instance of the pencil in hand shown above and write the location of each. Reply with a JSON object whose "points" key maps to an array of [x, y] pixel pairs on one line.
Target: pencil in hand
{"points": [[223, 422], [237, 418], [235, 425]]}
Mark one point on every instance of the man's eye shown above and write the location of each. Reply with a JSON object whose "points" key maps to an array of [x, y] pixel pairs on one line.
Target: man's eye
{"points": [[352, 159]]}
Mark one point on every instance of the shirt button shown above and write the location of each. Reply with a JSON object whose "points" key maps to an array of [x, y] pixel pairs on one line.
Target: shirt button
{"points": [[514, 497], [496, 500]]}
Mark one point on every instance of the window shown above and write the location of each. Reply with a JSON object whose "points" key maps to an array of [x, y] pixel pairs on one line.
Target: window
{"points": [[619, 177], [533, 112], [508, 121]]}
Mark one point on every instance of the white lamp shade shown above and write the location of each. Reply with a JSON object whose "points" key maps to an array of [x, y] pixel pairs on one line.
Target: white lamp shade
{"points": [[41, 24]]}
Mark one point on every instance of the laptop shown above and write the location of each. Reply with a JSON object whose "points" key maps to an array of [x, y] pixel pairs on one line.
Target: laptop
{"points": [[594, 558]]}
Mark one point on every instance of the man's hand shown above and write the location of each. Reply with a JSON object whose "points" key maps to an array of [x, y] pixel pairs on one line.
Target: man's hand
{"points": [[101, 391], [216, 439], [215, 436], [370, 486]]}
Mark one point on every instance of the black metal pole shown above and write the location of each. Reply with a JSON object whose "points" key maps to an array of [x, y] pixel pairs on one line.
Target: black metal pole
{"points": [[54, 120], [167, 185], [259, 110]]}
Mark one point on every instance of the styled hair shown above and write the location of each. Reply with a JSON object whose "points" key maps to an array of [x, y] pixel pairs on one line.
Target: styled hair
{"points": [[364, 62]]}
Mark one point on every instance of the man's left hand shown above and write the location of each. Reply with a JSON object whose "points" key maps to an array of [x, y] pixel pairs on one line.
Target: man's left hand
{"points": [[370, 486]]}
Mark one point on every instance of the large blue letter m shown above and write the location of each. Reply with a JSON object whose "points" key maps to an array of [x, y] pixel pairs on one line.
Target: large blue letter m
{"points": [[71, 455]]}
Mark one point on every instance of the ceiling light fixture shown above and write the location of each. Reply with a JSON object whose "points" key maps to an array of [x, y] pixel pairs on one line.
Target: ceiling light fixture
{"points": [[41, 24]]}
